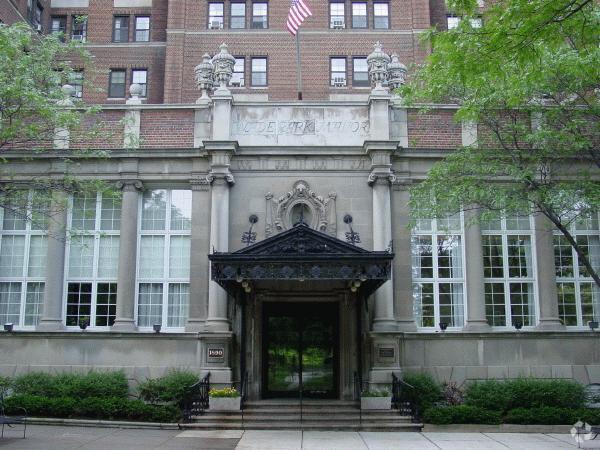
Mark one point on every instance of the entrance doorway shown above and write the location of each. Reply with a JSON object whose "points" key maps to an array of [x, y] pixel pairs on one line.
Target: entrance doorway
{"points": [[300, 351]]}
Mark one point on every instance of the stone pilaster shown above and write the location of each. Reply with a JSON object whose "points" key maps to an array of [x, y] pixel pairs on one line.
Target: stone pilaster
{"points": [[127, 256], [220, 153], [546, 275], [380, 179], [51, 319], [199, 248], [475, 287], [402, 268]]}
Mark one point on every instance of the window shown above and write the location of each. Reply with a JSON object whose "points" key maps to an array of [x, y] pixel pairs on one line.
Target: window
{"points": [[140, 76], [121, 29], [215, 16], [578, 295], [142, 28], [93, 257], [76, 80], [359, 15], [508, 271], [337, 15], [381, 15], [237, 78], [58, 25], [338, 72], [116, 83], [37, 17], [453, 21], [259, 72], [438, 280], [360, 72], [164, 258], [238, 15], [23, 242], [259, 15], [79, 28]]}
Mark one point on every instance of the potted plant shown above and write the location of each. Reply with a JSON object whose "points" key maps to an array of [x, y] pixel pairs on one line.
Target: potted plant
{"points": [[374, 399], [84, 322], [225, 399]]}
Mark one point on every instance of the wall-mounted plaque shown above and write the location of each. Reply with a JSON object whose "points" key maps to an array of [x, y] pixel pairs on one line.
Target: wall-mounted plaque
{"points": [[386, 352], [216, 353]]}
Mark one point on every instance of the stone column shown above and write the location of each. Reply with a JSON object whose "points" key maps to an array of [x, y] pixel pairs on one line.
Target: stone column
{"points": [[473, 266], [546, 275], [127, 256], [402, 268], [51, 319], [380, 178], [199, 250], [220, 153]]}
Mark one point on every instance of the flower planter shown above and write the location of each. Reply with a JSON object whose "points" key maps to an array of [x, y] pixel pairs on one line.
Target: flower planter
{"points": [[376, 402], [224, 403]]}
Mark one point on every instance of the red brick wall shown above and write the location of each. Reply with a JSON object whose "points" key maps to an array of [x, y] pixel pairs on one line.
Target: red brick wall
{"points": [[434, 129], [108, 129], [167, 129]]}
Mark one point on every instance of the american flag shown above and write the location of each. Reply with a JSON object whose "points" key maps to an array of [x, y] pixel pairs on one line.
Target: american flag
{"points": [[299, 11]]}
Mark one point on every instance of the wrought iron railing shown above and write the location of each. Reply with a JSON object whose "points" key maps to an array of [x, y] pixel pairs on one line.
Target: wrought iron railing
{"points": [[403, 403], [196, 401]]}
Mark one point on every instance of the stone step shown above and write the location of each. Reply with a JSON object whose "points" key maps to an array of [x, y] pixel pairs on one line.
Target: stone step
{"points": [[308, 425], [278, 403], [287, 417]]}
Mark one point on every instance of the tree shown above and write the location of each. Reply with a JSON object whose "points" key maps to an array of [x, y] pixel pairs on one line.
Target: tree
{"points": [[33, 106], [529, 77]]}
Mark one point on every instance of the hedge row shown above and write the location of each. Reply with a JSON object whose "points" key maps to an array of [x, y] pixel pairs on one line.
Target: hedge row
{"points": [[108, 408], [79, 386]]}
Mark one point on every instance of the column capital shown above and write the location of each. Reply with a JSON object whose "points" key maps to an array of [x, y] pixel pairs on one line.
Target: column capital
{"points": [[385, 178], [130, 185], [200, 182], [220, 178]]}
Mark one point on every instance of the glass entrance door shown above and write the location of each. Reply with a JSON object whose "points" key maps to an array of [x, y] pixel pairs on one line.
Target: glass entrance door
{"points": [[300, 350]]}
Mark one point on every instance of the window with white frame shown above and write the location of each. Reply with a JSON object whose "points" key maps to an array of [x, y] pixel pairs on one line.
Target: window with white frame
{"points": [[237, 77], [381, 15], [215, 15], [508, 271], [437, 269], [93, 257], [23, 243], [337, 15], [578, 295], [164, 258]]}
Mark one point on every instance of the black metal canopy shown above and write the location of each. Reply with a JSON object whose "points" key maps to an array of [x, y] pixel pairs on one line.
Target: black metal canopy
{"points": [[301, 254]]}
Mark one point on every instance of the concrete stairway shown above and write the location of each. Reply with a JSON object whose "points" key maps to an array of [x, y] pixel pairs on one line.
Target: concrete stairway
{"points": [[316, 415]]}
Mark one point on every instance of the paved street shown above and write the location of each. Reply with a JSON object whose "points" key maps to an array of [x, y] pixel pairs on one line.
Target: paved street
{"points": [[61, 437]]}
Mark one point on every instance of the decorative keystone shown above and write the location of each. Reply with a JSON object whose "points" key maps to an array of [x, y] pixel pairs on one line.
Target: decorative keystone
{"points": [[223, 64], [378, 62], [396, 72], [204, 76]]}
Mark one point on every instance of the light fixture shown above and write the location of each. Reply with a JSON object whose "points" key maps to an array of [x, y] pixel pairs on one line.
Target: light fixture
{"points": [[157, 327], [443, 326], [245, 284], [239, 278], [247, 289], [518, 325], [593, 324], [356, 283], [353, 288], [8, 327]]}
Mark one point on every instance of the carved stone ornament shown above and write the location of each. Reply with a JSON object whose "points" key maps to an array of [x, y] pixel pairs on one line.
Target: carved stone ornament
{"points": [[130, 185], [396, 72], [204, 75], [320, 211], [378, 62], [223, 64]]}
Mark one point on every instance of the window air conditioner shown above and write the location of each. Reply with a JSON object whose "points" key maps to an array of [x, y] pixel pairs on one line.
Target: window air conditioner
{"points": [[216, 25], [338, 24], [339, 82], [235, 83], [39, 27], [77, 37]]}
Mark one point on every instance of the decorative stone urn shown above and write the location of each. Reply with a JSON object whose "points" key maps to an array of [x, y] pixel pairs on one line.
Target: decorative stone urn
{"points": [[377, 403], [204, 77], [223, 64], [224, 403], [396, 72], [378, 66]]}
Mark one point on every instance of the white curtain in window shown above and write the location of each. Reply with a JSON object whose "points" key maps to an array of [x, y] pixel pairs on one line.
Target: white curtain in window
{"points": [[12, 254], [150, 304], [108, 257], [81, 257], [152, 256], [33, 303], [10, 302], [37, 256], [178, 301], [179, 257]]}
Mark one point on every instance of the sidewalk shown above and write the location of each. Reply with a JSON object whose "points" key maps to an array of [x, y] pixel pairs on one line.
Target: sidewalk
{"points": [[64, 437]]}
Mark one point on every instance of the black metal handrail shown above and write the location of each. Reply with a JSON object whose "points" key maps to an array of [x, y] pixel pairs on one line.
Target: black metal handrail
{"points": [[196, 401], [406, 405]]}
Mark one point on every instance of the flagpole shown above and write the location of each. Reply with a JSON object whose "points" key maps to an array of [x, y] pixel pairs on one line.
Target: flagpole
{"points": [[298, 68]]}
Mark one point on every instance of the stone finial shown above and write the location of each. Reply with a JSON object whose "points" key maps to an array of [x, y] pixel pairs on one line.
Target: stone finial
{"points": [[204, 76], [67, 91], [223, 64], [135, 90], [378, 62], [396, 72]]}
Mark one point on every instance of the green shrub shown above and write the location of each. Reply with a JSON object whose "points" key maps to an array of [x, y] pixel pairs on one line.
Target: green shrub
{"points": [[549, 415], [5, 385], [172, 388], [92, 384], [425, 392], [108, 408], [525, 393], [461, 414]]}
